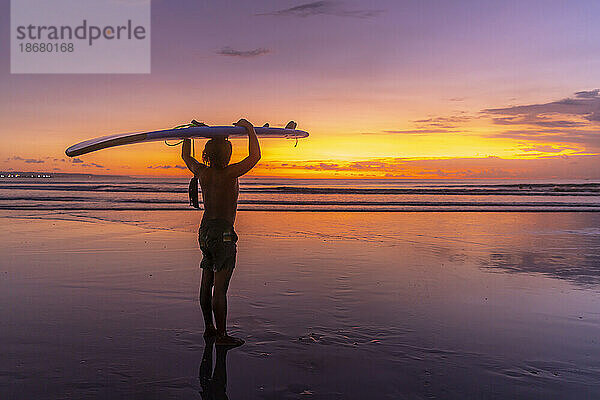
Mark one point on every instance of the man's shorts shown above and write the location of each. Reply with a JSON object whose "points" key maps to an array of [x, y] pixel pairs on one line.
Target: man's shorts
{"points": [[217, 241]]}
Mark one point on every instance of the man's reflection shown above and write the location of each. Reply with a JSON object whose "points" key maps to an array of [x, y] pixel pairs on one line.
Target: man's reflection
{"points": [[213, 383]]}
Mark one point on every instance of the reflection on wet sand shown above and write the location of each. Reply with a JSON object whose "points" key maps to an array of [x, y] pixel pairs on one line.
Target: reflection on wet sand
{"points": [[213, 383], [332, 305], [572, 256]]}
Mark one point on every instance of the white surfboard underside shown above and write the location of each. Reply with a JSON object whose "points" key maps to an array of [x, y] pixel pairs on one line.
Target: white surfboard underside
{"points": [[121, 139]]}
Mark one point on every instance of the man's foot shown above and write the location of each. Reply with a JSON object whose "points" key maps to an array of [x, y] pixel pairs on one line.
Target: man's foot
{"points": [[210, 332], [230, 341]]}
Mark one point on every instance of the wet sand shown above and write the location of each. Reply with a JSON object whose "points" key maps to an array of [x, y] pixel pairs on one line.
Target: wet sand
{"points": [[332, 306]]}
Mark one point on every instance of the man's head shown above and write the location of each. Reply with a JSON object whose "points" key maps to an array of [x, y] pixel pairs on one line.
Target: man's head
{"points": [[217, 152]]}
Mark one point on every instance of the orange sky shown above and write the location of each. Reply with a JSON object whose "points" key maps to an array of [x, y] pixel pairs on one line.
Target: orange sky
{"points": [[387, 91]]}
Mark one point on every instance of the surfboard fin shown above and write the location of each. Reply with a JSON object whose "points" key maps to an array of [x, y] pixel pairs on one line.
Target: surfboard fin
{"points": [[193, 192], [196, 123], [291, 125], [266, 125]]}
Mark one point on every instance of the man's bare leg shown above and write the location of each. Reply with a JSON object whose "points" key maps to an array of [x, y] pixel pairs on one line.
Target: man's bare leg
{"points": [[219, 305], [206, 286]]}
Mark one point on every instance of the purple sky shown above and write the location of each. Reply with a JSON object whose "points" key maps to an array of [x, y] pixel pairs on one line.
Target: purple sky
{"points": [[341, 68]]}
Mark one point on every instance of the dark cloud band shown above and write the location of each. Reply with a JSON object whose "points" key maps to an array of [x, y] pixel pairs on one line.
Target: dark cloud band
{"points": [[228, 51], [323, 7]]}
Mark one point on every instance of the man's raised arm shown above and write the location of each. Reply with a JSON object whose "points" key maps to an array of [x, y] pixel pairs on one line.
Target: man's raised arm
{"points": [[242, 167], [186, 154]]}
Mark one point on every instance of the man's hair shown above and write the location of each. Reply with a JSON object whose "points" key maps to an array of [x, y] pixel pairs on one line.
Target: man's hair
{"points": [[217, 152]]}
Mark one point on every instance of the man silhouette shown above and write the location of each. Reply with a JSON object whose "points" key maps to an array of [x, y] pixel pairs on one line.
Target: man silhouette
{"points": [[216, 236]]}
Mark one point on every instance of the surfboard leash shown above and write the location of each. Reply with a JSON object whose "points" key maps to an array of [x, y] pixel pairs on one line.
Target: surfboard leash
{"points": [[190, 125], [176, 144]]}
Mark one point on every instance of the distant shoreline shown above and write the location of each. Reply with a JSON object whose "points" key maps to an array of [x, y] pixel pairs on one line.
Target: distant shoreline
{"points": [[50, 175]]}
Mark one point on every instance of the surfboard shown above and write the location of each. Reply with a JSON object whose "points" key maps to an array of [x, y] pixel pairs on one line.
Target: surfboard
{"points": [[189, 131]]}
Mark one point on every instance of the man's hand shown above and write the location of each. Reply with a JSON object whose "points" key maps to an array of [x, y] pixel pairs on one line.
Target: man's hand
{"points": [[244, 123]]}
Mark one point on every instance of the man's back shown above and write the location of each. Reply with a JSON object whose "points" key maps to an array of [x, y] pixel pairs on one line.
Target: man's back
{"points": [[219, 179], [219, 194]]}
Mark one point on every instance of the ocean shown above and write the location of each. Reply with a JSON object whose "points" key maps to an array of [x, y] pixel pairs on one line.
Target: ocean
{"points": [[278, 194]]}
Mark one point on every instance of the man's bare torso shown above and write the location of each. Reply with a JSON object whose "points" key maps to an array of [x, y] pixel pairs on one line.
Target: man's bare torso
{"points": [[219, 194]]}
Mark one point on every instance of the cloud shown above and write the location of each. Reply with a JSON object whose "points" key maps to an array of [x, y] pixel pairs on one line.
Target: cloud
{"points": [[94, 165], [411, 132], [371, 164], [538, 121], [426, 126], [558, 166], [26, 160], [588, 94], [548, 149], [585, 137], [445, 120], [594, 117], [559, 120], [585, 105], [228, 51], [324, 166], [167, 166], [324, 7], [76, 161], [566, 124]]}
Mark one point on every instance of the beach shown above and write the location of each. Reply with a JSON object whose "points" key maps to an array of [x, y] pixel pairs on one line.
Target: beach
{"points": [[410, 189], [348, 305]]}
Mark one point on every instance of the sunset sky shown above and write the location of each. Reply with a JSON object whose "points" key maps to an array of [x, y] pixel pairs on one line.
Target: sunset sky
{"points": [[405, 89]]}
